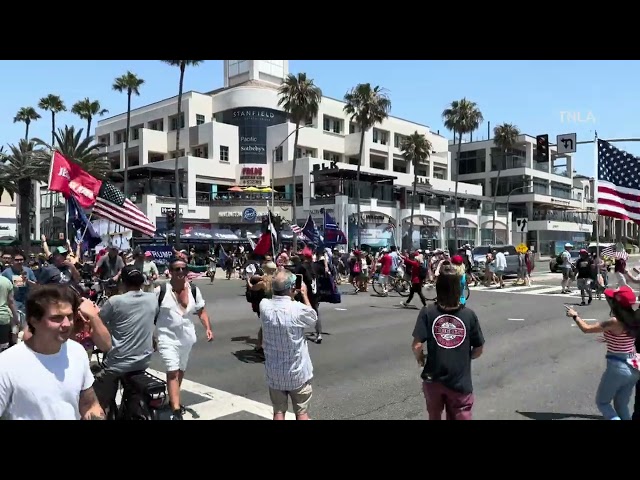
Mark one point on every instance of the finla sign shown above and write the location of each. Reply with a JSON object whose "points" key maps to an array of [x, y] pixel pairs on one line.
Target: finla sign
{"points": [[577, 117]]}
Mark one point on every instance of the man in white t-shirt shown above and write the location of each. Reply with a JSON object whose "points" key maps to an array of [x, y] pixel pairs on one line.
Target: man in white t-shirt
{"points": [[176, 332], [47, 377]]}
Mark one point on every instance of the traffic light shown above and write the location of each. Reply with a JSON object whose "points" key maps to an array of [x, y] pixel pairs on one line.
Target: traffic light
{"points": [[171, 219], [542, 148]]}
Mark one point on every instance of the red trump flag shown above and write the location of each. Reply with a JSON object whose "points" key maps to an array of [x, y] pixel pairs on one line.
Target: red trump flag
{"points": [[69, 179]]}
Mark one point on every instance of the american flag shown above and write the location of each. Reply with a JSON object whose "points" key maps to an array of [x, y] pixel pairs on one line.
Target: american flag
{"points": [[298, 231], [112, 205], [613, 252], [618, 183]]}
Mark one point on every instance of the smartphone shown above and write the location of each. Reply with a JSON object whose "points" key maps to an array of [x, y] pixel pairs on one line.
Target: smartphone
{"points": [[298, 281], [567, 307]]}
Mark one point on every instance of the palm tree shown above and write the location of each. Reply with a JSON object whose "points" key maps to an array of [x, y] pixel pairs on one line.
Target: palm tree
{"points": [[91, 157], [300, 98], [24, 165], [462, 117], [26, 115], [87, 110], [182, 65], [505, 136], [367, 107], [416, 149], [130, 83], [54, 104]]}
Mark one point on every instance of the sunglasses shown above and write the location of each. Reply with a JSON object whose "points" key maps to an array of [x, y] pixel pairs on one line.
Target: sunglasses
{"points": [[179, 269]]}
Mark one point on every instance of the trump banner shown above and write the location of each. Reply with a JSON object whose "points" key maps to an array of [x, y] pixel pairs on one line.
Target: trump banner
{"points": [[69, 179]]}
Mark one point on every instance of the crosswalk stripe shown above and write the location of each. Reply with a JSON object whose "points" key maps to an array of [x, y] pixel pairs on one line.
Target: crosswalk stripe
{"points": [[549, 290]]}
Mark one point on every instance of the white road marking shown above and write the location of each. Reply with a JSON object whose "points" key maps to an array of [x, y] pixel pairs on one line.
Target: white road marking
{"points": [[341, 309], [516, 319], [222, 403]]}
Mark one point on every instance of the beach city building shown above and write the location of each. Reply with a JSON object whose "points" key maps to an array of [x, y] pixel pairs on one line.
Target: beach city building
{"points": [[236, 136], [550, 204]]}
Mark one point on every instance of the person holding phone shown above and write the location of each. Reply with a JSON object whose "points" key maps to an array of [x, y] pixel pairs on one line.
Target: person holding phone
{"points": [[288, 366], [620, 332]]}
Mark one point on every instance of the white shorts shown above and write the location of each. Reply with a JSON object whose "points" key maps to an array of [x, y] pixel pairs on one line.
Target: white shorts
{"points": [[175, 355]]}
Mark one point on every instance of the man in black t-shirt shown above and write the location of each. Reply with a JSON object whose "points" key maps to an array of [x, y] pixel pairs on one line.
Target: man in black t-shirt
{"points": [[586, 273], [61, 270], [453, 338]]}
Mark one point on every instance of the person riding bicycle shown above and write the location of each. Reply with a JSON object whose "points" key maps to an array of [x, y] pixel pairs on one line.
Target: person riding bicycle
{"points": [[130, 318], [109, 268]]}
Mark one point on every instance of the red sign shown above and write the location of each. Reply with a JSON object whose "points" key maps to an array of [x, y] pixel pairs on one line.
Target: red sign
{"points": [[252, 171]]}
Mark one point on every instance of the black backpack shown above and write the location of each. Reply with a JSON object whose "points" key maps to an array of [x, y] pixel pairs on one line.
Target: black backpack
{"points": [[559, 260], [163, 292], [422, 273]]}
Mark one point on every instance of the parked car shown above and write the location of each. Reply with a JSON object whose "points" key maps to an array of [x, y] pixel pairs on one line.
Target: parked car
{"points": [[556, 268], [479, 255]]}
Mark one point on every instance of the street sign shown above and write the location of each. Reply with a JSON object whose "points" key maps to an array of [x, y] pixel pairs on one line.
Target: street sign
{"points": [[566, 143], [521, 224]]}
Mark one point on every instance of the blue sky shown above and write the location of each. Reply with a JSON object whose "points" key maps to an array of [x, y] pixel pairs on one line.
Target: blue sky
{"points": [[530, 94]]}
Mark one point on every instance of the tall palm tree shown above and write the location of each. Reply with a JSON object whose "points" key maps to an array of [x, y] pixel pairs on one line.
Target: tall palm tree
{"points": [[300, 98], [24, 165], [505, 136], [130, 83], [92, 157], [87, 110], [416, 149], [461, 117], [182, 65], [54, 104], [366, 106], [26, 115]]}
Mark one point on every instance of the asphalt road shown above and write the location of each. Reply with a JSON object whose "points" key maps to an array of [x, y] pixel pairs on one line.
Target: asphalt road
{"points": [[536, 364]]}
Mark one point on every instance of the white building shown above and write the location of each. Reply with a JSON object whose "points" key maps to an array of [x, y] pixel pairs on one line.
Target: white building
{"points": [[229, 137], [550, 196]]}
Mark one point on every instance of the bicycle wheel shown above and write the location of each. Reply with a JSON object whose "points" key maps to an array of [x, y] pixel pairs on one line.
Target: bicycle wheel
{"points": [[377, 286], [402, 287]]}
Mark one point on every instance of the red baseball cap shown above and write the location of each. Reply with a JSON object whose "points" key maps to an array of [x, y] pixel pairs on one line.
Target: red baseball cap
{"points": [[624, 295]]}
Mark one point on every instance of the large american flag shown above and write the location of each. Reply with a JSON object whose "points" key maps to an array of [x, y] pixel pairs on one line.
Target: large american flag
{"points": [[618, 183], [112, 205], [613, 252]]}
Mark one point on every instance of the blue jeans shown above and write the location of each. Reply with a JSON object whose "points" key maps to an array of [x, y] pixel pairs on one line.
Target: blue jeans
{"points": [[616, 386]]}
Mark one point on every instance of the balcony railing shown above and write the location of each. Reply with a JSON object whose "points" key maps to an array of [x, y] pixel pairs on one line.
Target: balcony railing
{"points": [[566, 216], [204, 199]]}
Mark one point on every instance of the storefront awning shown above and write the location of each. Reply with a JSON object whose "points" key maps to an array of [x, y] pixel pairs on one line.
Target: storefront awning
{"points": [[216, 235]]}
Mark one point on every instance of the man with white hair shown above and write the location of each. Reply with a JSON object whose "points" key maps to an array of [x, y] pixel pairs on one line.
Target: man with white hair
{"points": [[287, 362]]}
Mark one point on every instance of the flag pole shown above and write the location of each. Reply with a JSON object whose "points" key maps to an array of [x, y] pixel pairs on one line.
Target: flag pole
{"points": [[595, 192]]}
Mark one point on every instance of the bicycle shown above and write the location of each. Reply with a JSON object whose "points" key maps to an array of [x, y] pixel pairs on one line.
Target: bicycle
{"points": [[396, 283]]}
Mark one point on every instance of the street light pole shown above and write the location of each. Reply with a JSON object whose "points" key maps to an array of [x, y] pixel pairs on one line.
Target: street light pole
{"points": [[524, 187]]}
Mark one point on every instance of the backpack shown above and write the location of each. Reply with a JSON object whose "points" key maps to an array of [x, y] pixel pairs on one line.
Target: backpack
{"points": [[357, 266], [163, 292], [559, 260], [422, 273]]}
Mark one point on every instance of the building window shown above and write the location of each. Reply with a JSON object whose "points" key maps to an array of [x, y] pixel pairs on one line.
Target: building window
{"points": [[352, 128], [174, 122], [201, 152], [331, 124], [398, 140], [224, 153], [118, 137], [279, 154], [330, 156], [157, 125], [380, 136], [135, 133], [199, 119]]}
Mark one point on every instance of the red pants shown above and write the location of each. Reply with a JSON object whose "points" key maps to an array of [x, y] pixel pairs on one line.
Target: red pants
{"points": [[457, 405]]}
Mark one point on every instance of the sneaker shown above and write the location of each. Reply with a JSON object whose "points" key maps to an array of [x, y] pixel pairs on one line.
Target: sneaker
{"points": [[319, 339]]}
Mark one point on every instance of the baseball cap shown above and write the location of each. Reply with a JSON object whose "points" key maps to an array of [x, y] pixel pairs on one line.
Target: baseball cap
{"points": [[60, 251], [148, 254], [623, 295], [132, 275]]}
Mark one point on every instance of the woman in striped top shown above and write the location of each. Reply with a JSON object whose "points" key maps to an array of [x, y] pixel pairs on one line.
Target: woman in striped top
{"points": [[621, 373]]}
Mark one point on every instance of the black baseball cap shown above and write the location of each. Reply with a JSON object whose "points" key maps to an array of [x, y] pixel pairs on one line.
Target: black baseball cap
{"points": [[133, 276]]}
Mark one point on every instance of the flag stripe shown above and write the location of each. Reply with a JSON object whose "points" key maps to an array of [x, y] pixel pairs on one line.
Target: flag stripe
{"points": [[128, 215], [618, 183]]}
